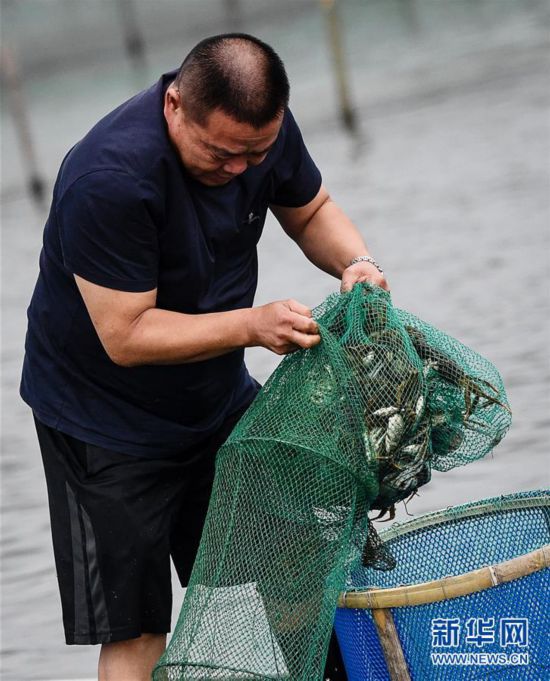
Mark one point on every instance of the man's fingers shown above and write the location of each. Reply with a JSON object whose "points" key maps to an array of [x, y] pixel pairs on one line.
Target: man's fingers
{"points": [[304, 324], [295, 306], [384, 284], [349, 281], [305, 340], [285, 326], [305, 332], [346, 285]]}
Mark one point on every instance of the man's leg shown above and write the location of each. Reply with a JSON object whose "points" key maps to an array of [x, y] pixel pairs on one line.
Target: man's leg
{"points": [[111, 515], [131, 660]]}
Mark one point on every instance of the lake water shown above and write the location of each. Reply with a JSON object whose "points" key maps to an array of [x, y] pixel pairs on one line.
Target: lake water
{"points": [[449, 181]]}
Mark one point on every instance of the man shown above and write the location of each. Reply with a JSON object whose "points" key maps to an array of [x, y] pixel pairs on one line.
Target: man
{"points": [[138, 323]]}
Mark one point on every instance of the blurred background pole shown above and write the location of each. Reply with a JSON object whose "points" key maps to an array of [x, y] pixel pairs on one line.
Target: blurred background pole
{"points": [[16, 104], [234, 15], [334, 25], [410, 14], [133, 38]]}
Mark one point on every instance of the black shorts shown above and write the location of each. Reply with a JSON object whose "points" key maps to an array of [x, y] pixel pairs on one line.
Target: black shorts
{"points": [[116, 520]]}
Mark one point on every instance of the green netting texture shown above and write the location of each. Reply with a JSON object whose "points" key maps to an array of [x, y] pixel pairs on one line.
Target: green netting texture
{"points": [[354, 423], [453, 542]]}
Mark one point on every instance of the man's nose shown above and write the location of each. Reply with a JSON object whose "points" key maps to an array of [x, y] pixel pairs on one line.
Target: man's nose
{"points": [[236, 165]]}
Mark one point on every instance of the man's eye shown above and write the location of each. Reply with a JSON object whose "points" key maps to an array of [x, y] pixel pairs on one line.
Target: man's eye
{"points": [[219, 157]]}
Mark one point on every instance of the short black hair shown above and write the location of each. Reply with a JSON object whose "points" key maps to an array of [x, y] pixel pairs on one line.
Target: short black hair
{"points": [[236, 73]]}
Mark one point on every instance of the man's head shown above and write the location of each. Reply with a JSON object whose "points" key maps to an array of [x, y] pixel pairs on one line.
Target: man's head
{"points": [[225, 107]]}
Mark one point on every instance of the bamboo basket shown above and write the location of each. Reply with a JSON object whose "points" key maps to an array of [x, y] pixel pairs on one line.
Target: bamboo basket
{"points": [[387, 633]]}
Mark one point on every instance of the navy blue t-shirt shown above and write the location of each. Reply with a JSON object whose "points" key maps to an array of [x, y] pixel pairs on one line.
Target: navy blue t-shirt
{"points": [[126, 215]]}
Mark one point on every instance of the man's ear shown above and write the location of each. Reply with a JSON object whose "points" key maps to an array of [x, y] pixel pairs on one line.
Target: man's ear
{"points": [[172, 99]]}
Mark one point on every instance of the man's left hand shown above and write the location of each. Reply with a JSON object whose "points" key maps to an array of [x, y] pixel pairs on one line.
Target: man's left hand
{"points": [[361, 272]]}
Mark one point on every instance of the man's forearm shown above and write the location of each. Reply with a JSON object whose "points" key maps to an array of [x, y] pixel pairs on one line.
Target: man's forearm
{"points": [[159, 336], [330, 239]]}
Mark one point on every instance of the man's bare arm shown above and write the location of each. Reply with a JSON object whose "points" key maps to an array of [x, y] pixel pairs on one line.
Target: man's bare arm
{"points": [[134, 331], [329, 239]]}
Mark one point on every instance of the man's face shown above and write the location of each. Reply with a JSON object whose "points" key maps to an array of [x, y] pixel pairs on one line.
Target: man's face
{"points": [[222, 148]]}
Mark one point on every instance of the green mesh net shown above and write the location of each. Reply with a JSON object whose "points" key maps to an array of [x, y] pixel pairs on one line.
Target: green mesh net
{"points": [[355, 423]]}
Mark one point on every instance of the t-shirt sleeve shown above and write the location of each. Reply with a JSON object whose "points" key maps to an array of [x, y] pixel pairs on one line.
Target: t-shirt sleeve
{"points": [[107, 232], [296, 178]]}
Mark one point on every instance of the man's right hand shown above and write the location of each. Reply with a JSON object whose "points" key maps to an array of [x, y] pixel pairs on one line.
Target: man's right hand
{"points": [[283, 327]]}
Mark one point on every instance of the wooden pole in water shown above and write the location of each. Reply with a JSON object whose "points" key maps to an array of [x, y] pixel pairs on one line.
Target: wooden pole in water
{"points": [[234, 14], [337, 50], [16, 104], [391, 645], [133, 38]]}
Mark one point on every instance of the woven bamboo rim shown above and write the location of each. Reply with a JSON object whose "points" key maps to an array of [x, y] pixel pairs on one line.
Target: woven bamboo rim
{"points": [[449, 587], [451, 514]]}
